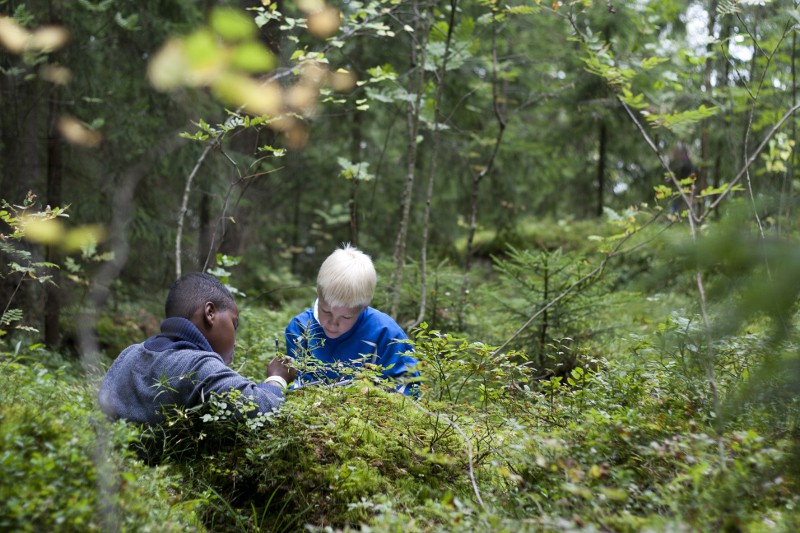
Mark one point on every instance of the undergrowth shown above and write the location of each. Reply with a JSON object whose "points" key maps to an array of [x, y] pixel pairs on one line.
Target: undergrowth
{"points": [[651, 423], [64, 468]]}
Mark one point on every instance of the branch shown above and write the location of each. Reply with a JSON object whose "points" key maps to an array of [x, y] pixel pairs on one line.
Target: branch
{"points": [[469, 448], [477, 178], [750, 160], [217, 139], [664, 163], [185, 202], [222, 216]]}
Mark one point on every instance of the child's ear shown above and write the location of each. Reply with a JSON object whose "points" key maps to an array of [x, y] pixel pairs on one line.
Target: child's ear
{"points": [[209, 314]]}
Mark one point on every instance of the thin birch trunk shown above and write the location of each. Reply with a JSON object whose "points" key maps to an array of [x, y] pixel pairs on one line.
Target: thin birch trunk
{"points": [[478, 177], [417, 86], [787, 186], [185, 205], [705, 125], [432, 170]]}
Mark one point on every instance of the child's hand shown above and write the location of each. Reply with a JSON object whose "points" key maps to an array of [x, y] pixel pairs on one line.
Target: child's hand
{"points": [[280, 366]]}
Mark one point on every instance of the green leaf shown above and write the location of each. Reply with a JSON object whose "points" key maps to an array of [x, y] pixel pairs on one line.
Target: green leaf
{"points": [[711, 191], [12, 315], [99, 7], [522, 10], [253, 56], [381, 73], [650, 62], [131, 23], [358, 171], [232, 24], [202, 49]]}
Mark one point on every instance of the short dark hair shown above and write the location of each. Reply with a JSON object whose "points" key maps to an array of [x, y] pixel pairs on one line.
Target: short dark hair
{"points": [[193, 290]]}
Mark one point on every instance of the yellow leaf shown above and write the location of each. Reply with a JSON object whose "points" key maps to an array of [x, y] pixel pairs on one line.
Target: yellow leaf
{"points": [[43, 231], [75, 132], [82, 237], [49, 38], [342, 80], [13, 36], [302, 97], [258, 98], [310, 6], [56, 74], [323, 23], [168, 69]]}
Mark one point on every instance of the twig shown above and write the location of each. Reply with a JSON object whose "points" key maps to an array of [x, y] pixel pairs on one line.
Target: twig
{"points": [[185, 202], [11, 298], [469, 449], [750, 160]]}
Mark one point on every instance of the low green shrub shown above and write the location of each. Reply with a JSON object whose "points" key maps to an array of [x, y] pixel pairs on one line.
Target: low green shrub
{"points": [[63, 468]]}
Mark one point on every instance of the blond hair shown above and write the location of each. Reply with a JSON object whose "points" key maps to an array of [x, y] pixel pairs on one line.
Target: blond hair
{"points": [[347, 278]]}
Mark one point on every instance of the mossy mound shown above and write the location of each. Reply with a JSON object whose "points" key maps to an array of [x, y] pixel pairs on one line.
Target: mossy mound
{"points": [[331, 457]]}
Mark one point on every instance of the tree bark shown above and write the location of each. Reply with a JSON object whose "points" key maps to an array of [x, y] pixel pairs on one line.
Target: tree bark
{"points": [[423, 261], [355, 157], [787, 186], [477, 177], [185, 206], [52, 291], [705, 143], [601, 167], [416, 86], [205, 231]]}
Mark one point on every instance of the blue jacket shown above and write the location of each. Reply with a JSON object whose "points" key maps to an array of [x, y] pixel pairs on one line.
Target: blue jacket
{"points": [[176, 367], [374, 338]]}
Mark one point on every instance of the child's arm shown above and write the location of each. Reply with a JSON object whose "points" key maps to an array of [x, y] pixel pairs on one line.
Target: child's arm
{"points": [[399, 363], [212, 375]]}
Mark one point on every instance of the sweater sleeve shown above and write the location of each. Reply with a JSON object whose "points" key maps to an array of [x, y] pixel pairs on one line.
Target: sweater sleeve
{"points": [[396, 357], [211, 375], [296, 333], [141, 383], [294, 338]]}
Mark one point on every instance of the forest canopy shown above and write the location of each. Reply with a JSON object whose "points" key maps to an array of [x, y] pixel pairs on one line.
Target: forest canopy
{"points": [[582, 214]]}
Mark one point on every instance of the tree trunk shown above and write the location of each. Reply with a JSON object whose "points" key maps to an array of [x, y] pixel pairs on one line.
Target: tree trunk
{"points": [[787, 192], [204, 241], [417, 86], [705, 143], [52, 291], [423, 261], [477, 177], [601, 167], [355, 156]]}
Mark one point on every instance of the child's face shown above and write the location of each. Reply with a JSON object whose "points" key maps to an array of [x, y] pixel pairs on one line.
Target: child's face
{"points": [[222, 335], [336, 321]]}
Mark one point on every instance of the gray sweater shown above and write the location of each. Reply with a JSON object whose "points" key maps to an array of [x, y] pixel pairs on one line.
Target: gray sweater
{"points": [[141, 381]]}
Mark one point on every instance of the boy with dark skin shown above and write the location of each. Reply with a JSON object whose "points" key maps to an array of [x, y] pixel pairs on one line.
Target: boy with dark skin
{"points": [[188, 360]]}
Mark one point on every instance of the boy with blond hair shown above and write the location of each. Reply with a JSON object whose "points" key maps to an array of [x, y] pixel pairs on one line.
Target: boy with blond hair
{"points": [[341, 331]]}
